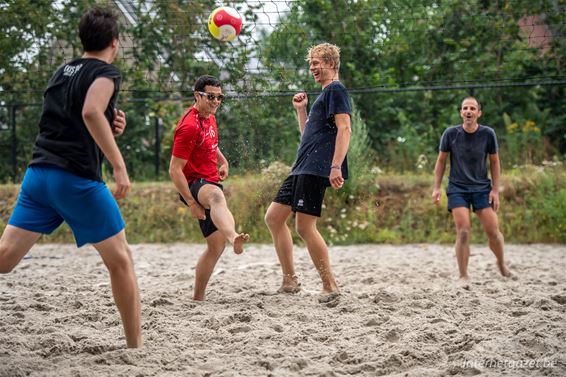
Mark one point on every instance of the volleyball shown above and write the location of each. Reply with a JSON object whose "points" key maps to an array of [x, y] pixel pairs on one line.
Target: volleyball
{"points": [[225, 23]]}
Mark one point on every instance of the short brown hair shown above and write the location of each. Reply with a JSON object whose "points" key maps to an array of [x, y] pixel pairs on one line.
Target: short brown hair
{"points": [[327, 52], [98, 28], [472, 98]]}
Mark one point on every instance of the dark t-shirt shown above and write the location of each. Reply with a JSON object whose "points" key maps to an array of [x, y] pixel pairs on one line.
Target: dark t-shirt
{"points": [[63, 138], [468, 156], [318, 142]]}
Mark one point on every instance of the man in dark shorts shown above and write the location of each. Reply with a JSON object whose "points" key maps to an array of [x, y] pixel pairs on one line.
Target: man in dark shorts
{"points": [[469, 145], [321, 162], [197, 166], [63, 180]]}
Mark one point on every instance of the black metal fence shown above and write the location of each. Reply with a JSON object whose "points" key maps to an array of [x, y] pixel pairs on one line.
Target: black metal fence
{"points": [[146, 150]]}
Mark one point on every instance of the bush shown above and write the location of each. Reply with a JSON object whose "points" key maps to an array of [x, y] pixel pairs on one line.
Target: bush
{"points": [[397, 210]]}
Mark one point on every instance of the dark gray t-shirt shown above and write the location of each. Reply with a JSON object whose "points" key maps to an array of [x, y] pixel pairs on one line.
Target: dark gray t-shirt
{"points": [[318, 142], [468, 156]]}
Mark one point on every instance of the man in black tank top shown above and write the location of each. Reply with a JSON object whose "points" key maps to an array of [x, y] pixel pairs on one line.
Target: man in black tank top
{"points": [[63, 180]]}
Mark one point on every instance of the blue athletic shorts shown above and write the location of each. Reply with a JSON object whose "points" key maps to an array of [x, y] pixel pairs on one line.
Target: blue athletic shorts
{"points": [[477, 200], [50, 195]]}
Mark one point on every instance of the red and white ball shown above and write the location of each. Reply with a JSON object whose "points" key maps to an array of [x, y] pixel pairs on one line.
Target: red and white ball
{"points": [[225, 23]]}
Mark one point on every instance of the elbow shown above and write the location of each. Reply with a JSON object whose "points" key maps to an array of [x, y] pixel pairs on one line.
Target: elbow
{"points": [[171, 172], [89, 114], [174, 171]]}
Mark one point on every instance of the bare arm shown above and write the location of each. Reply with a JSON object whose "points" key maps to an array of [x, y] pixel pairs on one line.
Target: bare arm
{"points": [[344, 131], [176, 173], [495, 169], [223, 166], [96, 102], [439, 168], [300, 101]]}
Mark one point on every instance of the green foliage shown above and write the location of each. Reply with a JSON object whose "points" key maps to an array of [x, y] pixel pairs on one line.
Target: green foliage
{"points": [[403, 43], [538, 195], [386, 44], [523, 143], [361, 157], [399, 211]]}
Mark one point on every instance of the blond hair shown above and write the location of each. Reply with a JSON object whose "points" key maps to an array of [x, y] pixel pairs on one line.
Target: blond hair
{"points": [[327, 52]]}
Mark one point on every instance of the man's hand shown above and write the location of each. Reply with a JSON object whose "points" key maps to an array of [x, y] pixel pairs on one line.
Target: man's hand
{"points": [[494, 199], [436, 196], [119, 124], [123, 184], [300, 101], [336, 180], [197, 211], [223, 171]]}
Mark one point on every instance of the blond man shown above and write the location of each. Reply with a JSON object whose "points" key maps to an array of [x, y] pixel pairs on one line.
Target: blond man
{"points": [[321, 162]]}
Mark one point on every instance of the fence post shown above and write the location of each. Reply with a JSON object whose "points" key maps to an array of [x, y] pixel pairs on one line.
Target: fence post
{"points": [[158, 123], [14, 144]]}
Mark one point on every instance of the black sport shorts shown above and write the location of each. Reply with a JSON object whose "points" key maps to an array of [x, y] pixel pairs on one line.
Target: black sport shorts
{"points": [[207, 227], [304, 193]]}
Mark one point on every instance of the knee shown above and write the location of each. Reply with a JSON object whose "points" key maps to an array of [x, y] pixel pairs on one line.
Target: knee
{"points": [[271, 220], [493, 234], [463, 233], [216, 198], [121, 261], [303, 230]]}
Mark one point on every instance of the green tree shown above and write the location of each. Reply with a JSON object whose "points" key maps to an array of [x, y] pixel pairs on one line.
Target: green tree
{"points": [[399, 44]]}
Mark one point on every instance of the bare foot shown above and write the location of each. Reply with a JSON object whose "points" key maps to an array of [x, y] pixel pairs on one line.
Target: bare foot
{"points": [[326, 297], [239, 242], [290, 285], [504, 270], [464, 282]]}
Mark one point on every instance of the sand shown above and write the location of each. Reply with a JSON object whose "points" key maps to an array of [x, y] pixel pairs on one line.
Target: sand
{"points": [[402, 313]]}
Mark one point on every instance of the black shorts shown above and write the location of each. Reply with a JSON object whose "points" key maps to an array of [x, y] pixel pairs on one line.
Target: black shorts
{"points": [[477, 200], [304, 193], [207, 227]]}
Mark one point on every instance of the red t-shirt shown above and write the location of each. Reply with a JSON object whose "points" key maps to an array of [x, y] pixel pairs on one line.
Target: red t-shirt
{"points": [[196, 140]]}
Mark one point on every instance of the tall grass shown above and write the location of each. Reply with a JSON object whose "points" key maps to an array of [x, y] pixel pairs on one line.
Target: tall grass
{"points": [[385, 208]]}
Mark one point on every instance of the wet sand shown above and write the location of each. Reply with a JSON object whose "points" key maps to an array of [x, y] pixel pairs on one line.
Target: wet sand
{"points": [[402, 313]]}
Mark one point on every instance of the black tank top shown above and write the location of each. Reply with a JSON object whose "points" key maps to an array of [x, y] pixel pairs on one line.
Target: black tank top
{"points": [[63, 139]]}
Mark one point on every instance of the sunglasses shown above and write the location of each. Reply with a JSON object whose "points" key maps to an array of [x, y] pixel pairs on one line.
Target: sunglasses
{"points": [[211, 97]]}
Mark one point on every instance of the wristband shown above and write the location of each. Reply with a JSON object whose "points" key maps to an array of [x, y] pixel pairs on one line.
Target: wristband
{"points": [[336, 167]]}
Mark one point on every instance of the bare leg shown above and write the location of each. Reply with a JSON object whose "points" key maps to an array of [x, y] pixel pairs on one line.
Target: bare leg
{"points": [[215, 244], [306, 227], [212, 197], [14, 245], [117, 257], [461, 217], [488, 219], [276, 220]]}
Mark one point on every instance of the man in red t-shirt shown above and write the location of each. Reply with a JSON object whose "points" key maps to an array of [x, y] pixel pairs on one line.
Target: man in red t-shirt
{"points": [[197, 160]]}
